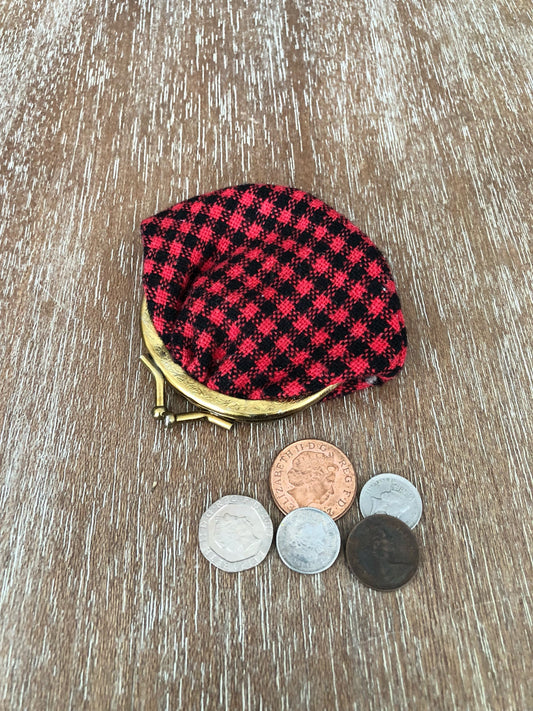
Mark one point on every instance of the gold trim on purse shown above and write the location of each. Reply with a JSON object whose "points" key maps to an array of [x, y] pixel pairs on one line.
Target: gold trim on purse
{"points": [[215, 407]]}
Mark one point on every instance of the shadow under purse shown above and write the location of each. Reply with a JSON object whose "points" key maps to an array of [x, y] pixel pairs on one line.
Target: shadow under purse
{"points": [[260, 300]]}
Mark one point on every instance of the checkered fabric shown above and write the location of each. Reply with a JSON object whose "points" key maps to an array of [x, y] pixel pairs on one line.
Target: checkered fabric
{"points": [[265, 292]]}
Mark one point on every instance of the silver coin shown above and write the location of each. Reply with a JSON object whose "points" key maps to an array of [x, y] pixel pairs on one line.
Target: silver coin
{"points": [[235, 533], [308, 540], [393, 495]]}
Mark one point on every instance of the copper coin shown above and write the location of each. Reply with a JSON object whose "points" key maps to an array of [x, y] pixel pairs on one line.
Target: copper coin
{"points": [[315, 474], [382, 552]]}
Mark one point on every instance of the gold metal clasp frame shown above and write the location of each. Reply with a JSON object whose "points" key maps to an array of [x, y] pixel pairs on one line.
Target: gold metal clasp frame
{"points": [[215, 407]]}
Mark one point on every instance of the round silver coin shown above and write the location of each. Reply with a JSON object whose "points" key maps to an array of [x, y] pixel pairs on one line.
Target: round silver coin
{"points": [[393, 495], [308, 540], [235, 533]]}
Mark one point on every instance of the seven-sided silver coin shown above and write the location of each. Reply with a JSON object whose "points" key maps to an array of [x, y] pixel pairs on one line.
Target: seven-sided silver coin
{"points": [[393, 495], [308, 540], [235, 533]]}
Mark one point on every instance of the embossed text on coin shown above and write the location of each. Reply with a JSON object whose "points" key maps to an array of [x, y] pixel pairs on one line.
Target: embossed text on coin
{"points": [[313, 473]]}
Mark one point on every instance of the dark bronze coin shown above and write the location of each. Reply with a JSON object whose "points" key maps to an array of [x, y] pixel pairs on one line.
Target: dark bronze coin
{"points": [[382, 552]]}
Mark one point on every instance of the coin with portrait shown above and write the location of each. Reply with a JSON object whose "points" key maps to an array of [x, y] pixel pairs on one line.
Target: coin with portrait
{"points": [[308, 540], [235, 533], [313, 473], [393, 495], [382, 552]]}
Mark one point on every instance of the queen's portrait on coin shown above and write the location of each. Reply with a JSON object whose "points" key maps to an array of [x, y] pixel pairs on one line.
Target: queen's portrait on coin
{"points": [[311, 478], [235, 534], [390, 502]]}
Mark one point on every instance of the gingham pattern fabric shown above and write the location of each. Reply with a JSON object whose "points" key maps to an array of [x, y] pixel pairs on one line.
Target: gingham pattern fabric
{"points": [[265, 292]]}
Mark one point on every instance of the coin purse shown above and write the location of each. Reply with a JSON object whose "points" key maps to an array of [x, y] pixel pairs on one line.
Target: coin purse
{"points": [[260, 300]]}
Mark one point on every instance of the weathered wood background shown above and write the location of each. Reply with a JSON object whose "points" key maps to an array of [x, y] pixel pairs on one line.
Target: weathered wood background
{"points": [[413, 119]]}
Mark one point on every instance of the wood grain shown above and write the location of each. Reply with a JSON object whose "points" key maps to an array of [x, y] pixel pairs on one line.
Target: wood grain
{"points": [[413, 119]]}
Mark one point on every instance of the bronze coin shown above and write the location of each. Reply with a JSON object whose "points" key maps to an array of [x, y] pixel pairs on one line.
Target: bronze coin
{"points": [[382, 552], [315, 474]]}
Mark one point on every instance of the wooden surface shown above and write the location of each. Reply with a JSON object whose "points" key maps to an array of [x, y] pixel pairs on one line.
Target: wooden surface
{"points": [[413, 119]]}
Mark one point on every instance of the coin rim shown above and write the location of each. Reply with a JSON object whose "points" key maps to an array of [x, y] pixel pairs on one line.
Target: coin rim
{"points": [[229, 567], [344, 455], [330, 519], [396, 520], [403, 479]]}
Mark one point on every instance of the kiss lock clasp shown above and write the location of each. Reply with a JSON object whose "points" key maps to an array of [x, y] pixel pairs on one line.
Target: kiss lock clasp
{"points": [[222, 410]]}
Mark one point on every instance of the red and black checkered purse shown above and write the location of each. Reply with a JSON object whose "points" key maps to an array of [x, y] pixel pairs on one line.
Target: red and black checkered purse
{"points": [[265, 295]]}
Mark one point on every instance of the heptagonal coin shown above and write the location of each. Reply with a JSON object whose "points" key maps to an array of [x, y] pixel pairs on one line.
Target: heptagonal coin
{"points": [[235, 533]]}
